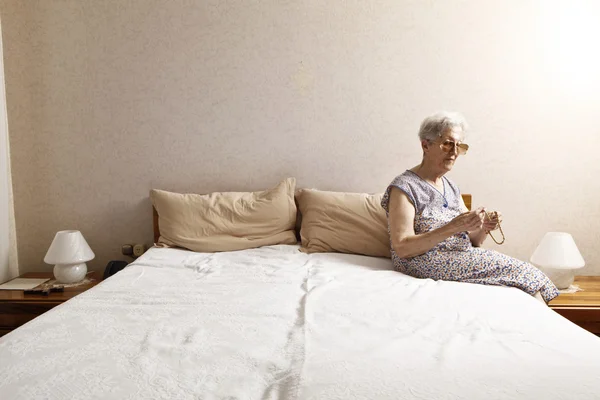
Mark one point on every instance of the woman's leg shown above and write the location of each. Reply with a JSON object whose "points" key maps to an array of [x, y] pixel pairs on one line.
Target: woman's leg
{"points": [[538, 296]]}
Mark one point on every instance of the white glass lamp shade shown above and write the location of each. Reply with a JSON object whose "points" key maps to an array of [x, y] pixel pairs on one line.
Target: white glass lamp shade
{"points": [[69, 252], [558, 254]]}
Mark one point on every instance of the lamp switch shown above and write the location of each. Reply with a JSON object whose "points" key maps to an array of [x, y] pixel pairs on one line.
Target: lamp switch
{"points": [[138, 250]]}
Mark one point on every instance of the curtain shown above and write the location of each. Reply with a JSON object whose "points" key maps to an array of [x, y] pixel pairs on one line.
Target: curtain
{"points": [[8, 242]]}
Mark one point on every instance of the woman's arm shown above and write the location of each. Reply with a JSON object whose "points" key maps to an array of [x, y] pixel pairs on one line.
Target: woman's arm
{"points": [[477, 237], [402, 219]]}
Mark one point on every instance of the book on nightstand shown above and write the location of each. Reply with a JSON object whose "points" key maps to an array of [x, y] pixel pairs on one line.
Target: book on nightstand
{"points": [[22, 283]]}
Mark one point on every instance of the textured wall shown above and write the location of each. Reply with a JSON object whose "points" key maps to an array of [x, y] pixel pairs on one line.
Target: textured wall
{"points": [[108, 99]]}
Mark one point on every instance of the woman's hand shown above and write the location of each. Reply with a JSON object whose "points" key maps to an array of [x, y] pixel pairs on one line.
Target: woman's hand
{"points": [[469, 221], [492, 220]]}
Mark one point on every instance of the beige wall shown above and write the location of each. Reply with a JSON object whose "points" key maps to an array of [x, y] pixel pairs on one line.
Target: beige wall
{"points": [[108, 99]]}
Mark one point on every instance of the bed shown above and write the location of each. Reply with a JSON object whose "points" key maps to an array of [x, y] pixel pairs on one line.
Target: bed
{"points": [[275, 322]]}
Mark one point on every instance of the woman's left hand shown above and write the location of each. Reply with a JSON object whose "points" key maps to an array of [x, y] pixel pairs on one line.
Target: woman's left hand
{"points": [[492, 220]]}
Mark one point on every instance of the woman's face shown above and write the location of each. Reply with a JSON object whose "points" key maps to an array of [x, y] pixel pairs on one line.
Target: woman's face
{"points": [[444, 159]]}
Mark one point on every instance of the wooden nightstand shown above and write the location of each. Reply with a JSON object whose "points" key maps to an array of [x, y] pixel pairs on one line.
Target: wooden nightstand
{"points": [[16, 308], [581, 308]]}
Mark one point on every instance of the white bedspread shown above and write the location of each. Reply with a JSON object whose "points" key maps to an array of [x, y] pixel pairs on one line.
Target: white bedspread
{"points": [[274, 323]]}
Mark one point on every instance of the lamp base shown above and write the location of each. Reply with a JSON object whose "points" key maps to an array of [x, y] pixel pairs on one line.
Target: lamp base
{"points": [[70, 273], [562, 278]]}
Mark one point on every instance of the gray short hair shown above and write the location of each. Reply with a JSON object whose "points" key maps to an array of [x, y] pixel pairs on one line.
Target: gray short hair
{"points": [[435, 125]]}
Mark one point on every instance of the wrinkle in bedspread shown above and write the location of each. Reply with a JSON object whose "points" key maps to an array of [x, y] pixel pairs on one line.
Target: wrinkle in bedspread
{"points": [[287, 384]]}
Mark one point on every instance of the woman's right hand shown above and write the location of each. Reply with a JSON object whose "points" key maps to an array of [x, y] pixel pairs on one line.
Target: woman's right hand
{"points": [[468, 221]]}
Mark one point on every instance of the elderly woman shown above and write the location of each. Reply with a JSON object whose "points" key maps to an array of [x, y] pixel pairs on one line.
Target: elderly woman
{"points": [[433, 235]]}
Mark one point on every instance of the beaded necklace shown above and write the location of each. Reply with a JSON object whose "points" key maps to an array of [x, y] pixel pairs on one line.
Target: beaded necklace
{"points": [[494, 215]]}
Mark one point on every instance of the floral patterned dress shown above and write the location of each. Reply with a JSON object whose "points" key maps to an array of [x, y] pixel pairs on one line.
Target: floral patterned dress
{"points": [[455, 259]]}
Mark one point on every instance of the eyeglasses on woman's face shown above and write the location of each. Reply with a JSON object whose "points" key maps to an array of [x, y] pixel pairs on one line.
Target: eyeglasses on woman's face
{"points": [[448, 146]]}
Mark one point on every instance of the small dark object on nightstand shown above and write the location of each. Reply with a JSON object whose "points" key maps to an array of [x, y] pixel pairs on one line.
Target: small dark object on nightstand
{"points": [[45, 289], [41, 291]]}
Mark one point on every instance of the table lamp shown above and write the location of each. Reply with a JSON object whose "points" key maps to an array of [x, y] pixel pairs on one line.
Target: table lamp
{"points": [[558, 254], [69, 252]]}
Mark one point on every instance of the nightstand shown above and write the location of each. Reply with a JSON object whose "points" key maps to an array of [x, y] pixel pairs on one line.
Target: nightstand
{"points": [[17, 308], [581, 308]]}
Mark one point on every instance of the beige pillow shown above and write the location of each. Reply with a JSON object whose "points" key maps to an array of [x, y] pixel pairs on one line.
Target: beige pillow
{"points": [[227, 221], [343, 222]]}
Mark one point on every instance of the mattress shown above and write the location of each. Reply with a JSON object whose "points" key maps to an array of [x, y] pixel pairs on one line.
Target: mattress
{"points": [[276, 323]]}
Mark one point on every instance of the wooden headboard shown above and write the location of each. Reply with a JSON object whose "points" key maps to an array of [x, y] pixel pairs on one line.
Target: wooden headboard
{"points": [[466, 199], [155, 224]]}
